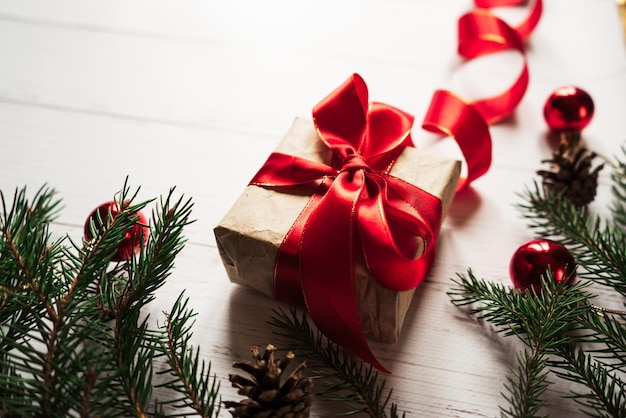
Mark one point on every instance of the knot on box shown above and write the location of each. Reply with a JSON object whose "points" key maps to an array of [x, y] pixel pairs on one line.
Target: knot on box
{"points": [[354, 162]]}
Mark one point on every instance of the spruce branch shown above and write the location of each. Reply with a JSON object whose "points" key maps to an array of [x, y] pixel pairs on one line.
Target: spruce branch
{"points": [[553, 323], [597, 246], [75, 340], [40, 321], [606, 394], [346, 379], [566, 335], [526, 386], [143, 276], [192, 379], [24, 247], [543, 321], [540, 320]]}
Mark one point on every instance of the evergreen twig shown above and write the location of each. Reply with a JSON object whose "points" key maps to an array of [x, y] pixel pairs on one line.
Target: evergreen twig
{"points": [[526, 386], [597, 246], [551, 324], [191, 376], [346, 379], [605, 334], [606, 394], [543, 322], [75, 340], [565, 334]]}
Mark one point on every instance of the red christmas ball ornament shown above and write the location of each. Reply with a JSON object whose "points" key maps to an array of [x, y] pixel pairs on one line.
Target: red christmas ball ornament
{"points": [[133, 239], [568, 108], [534, 258]]}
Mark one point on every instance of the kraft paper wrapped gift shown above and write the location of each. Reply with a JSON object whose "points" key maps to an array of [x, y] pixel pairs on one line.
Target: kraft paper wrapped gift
{"points": [[250, 234]]}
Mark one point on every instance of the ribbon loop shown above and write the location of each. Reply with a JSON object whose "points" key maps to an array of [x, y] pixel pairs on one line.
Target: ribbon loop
{"points": [[341, 118]]}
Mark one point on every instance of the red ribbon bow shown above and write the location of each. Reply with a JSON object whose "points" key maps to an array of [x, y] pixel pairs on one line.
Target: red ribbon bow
{"points": [[358, 212]]}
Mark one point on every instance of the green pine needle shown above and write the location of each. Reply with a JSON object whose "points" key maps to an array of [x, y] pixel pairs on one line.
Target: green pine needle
{"points": [[75, 340], [606, 334], [566, 336], [597, 246], [606, 391], [526, 386], [190, 376], [543, 322], [345, 378]]}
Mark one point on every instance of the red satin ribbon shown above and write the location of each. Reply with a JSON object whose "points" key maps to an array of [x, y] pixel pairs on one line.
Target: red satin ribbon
{"points": [[481, 33], [358, 211]]}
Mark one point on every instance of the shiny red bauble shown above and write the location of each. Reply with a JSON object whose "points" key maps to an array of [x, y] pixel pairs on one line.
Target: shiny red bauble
{"points": [[568, 108], [534, 258], [133, 239]]}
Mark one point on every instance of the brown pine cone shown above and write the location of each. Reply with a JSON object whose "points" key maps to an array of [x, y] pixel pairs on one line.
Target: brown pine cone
{"points": [[267, 398], [572, 175]]}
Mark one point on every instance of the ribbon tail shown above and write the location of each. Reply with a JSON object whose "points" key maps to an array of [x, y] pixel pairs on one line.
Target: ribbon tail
{"points": [[287, 284], [327, 269]]}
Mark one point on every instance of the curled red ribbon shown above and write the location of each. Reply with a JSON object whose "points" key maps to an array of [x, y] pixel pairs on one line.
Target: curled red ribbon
{"points": [[357, 207], [480, 33]]}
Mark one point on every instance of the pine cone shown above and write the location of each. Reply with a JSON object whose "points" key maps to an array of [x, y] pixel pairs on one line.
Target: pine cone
{"points": [[267, 398], [572, 176]]}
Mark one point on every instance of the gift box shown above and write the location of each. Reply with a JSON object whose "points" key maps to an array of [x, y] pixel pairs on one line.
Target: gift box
{"points": [[250, 234], [342, 219]]}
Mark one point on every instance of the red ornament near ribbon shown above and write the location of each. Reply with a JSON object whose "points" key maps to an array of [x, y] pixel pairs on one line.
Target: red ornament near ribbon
{"points": [[357, 207], [480, 33]]}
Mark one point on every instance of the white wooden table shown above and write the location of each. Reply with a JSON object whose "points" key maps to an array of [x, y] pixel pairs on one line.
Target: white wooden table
{"points": [[196, 94]]}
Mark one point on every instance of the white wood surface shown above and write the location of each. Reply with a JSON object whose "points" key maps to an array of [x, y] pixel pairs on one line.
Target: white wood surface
{"points": [[196, 94]]}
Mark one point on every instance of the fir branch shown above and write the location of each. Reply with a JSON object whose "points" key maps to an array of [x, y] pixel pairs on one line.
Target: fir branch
{"points": [[565, 334], [597, 247], [490, 301], [540, 320], [148, 272], [42, 314], [606, 395], [525, 388], [59, 356], [24, 246], [605, 336], [543, 321], [134, 359], [143, 276], [191, 377], [341, 372]]}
